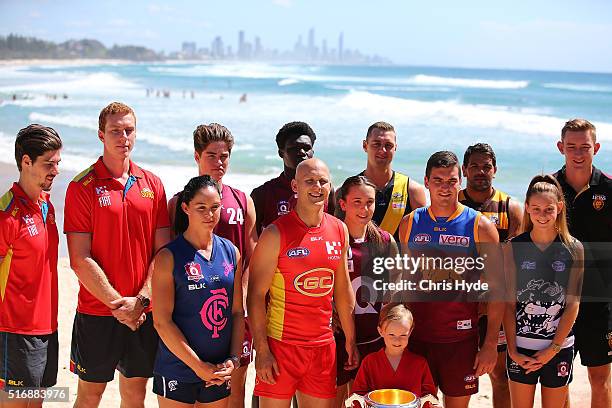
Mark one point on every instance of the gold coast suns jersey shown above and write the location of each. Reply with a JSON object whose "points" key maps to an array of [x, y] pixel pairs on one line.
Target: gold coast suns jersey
{"points": [[300, 309]]}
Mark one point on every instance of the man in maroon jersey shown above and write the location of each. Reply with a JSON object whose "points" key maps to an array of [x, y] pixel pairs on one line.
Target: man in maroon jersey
{"points": [[295, 141], [213, 146]]}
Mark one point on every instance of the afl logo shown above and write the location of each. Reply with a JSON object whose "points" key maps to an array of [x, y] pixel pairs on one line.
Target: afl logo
{"points": [[422, 239], [317, 282], [299, 252], [193, 271], [213, 311]]}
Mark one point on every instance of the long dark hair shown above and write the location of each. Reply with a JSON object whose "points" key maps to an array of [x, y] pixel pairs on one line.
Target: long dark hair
{"points": [[373, 235], [181, 222]]}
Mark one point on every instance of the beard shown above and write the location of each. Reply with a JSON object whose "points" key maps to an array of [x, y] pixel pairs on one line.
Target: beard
{"points": [[481, 185]]}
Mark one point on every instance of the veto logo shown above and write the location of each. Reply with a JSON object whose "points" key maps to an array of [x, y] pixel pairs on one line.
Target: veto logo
{"points": [[454, 240], [213, 311], [298, 252], [193, 271], [422, 239], [315, 282], [147, 193], [333, 247]]}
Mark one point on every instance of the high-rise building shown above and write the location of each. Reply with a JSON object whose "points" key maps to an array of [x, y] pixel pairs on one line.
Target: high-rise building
{"points": [[241, 50], [341, 47], [311, 44], [258, 48], [188, 49], [216, 49]]}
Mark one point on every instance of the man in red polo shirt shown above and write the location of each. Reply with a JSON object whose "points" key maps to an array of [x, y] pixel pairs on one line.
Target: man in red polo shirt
{"points": [[115, 219], [28, 267]]}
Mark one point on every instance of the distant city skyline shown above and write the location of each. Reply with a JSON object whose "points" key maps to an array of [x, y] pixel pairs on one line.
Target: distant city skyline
{"points": [[219, 49], [563, 35]]}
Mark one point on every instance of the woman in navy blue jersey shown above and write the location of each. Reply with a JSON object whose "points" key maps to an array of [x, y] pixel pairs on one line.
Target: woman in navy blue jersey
{"points": [[197, 304], [544, 267]]}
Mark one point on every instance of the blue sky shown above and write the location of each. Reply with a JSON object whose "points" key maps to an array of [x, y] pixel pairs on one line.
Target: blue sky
{"points": [[539, 34]]}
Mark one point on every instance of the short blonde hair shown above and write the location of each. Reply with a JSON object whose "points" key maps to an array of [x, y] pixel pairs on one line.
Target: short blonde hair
{"points": [[393, 312], [578, 125], [111, 109]]}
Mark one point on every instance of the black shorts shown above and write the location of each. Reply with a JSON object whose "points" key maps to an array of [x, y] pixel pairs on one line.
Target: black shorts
{"points": [[188, 393], [100, 344], [28, 361], [482, 333], [593, 333], [554, 374]]}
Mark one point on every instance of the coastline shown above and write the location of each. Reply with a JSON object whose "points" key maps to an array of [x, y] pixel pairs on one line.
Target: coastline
{"points": [[66, 62]]}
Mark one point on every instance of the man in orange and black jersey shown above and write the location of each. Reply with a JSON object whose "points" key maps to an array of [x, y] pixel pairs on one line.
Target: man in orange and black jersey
{"points": [[479, 168]]}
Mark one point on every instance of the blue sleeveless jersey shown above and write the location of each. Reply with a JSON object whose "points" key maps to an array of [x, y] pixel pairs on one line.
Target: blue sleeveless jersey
{"points": [[452, 316], [203, 293]]}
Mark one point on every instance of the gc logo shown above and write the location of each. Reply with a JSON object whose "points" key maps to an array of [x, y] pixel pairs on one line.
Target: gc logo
{"points": [[316, 282]]}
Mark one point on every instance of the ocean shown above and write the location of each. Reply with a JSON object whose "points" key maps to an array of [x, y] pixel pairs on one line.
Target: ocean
{"points": [[520, 113]]}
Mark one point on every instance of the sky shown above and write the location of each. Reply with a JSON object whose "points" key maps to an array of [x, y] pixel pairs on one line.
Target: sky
{"points": [[560, 35]]}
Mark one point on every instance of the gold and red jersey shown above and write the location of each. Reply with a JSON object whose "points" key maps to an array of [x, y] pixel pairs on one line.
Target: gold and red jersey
{"points": [[28, 271], [300, 305], [122, 220]]}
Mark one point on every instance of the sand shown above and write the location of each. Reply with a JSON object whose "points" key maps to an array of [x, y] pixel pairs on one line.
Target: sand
{"points": [[68, 290]]}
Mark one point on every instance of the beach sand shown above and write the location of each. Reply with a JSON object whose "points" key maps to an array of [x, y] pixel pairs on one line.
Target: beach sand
{"points": [[68, 290]]}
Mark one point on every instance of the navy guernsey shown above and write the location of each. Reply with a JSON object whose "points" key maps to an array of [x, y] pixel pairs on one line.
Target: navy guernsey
{"points": [[203, 293], [541, 287]]}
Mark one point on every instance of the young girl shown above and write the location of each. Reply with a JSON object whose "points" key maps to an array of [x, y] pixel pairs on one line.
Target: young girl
{"points": [[356, 201], [394, 366], [198, 309], [543, 269]]}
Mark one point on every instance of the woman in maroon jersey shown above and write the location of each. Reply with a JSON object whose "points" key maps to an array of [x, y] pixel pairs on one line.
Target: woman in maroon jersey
{"points": [[356, 202]]}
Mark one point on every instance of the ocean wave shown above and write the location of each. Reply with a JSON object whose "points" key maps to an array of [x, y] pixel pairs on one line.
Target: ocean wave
{"points": [[578, 87], [453, 113], [70, 120], [83, 83], [288, 81], [468, 82], [385, 88], [287, 75]]}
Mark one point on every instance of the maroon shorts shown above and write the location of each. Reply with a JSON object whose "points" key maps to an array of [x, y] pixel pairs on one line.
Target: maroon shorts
{"points": [[343, 376], [451, 365], [311, 370], [246, 355]]}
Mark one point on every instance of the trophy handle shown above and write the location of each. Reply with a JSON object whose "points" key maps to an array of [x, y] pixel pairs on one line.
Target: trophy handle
{"points": [[355, 397]]}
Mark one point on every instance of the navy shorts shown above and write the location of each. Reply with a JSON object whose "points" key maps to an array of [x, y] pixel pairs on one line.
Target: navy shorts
{"points": [[555, 374], [188, 393], [28, 361]]}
